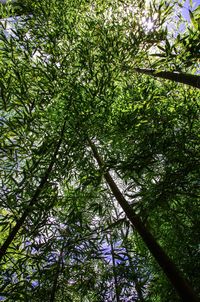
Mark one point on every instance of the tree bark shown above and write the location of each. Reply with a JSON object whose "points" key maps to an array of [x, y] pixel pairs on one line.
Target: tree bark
{"points": [[33, 200], [174, 275], [138, 287], [117, 293], [185, 78], [55, 283]]}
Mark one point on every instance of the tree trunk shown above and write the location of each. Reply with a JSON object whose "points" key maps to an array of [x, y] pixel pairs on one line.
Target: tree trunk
{"points": [[174, 275], [55, 283], [117, 294], [138, 287], [33, 200], [185, 78]]}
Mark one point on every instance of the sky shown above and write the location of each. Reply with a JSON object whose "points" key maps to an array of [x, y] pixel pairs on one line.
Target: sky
{"points": [[186, 7]]}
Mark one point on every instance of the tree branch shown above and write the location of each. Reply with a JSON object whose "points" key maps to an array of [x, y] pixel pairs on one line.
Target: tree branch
{"points": [[185, 78], [174, 275], [33, 200]]}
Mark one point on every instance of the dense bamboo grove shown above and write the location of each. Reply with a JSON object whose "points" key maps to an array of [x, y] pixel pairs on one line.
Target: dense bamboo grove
{"points": [[99, 151]]}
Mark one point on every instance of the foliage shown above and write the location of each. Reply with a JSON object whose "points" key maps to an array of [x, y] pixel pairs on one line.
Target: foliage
{"points": [[67, 74]]}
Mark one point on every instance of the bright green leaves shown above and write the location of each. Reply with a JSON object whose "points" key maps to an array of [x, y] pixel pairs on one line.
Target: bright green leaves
{"points": [[180, 48], [195, 17], [75, 62]]}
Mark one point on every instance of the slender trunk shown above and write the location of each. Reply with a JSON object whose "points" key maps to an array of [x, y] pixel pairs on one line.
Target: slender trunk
{"points": [[138, 287], [33, 200], [135, 278], [185, 78], [55, 283], [114, 271], [174, 275]]}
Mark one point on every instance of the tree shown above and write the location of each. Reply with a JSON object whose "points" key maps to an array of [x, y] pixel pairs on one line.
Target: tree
{"points": [[188, 79], [65, 94]]}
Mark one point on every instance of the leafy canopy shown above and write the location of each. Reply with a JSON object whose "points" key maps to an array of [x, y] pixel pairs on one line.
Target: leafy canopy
{"points": [[67, 74]]}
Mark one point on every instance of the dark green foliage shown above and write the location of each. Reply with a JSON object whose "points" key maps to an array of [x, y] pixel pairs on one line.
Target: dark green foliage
{"points": [[67, 74]]}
